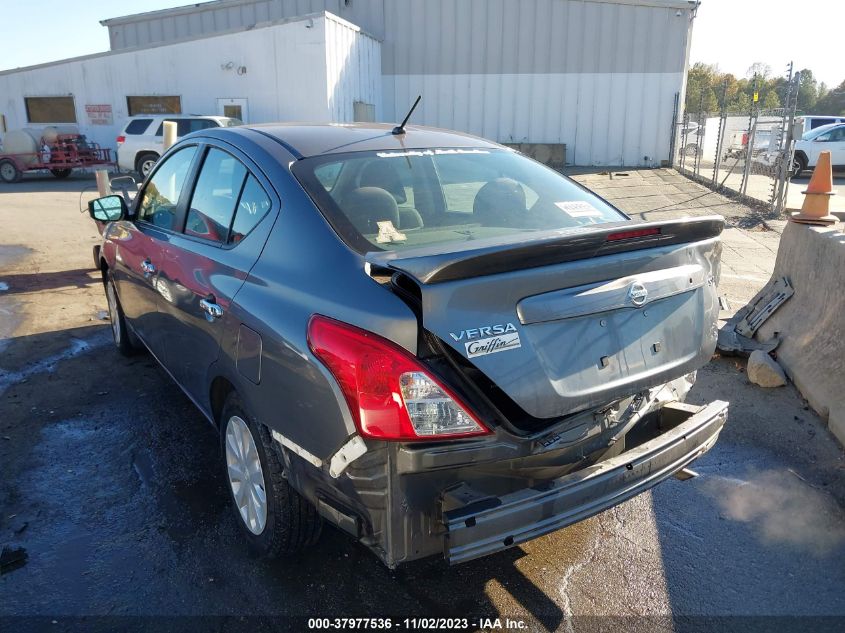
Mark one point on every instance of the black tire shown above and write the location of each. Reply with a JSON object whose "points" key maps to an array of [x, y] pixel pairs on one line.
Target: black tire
{"points": [[9, 171], [124, 339], [799, 164], [145, 162], [61, 173], [292, 523]]}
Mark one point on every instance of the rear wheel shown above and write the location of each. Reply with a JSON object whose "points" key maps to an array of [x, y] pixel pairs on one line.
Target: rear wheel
{"points": [[9, 171], [275, 519], [145, 163], [61, 173]]}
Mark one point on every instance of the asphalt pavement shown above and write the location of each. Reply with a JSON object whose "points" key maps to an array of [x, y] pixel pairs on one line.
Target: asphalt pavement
{"points": [[112, 491]]}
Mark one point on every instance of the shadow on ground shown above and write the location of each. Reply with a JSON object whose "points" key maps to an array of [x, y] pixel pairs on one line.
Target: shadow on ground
{"points": [[114, 486]]}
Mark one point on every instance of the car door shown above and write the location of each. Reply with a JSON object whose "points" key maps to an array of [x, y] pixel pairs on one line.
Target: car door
{"points": [[836, 145], [207, 263], [140, 245]]}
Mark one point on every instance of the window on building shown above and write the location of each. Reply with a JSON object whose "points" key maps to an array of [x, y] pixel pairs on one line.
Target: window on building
{"points": [[50, 109], [154, 105]]}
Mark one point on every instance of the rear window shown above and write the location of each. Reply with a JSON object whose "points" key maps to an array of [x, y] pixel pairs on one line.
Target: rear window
{"points": [[400, 200], [138, 126]]}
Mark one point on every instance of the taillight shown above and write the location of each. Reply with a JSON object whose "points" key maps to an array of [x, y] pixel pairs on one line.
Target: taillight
{"points": [[392, 396], [121, 140], [745, 138], [627, 235]]}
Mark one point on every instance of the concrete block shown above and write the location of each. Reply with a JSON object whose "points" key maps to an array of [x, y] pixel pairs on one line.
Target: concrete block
{"points": [[551, 154], [812, 322]]}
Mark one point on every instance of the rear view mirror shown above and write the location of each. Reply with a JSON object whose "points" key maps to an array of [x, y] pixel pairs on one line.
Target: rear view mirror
{"points": [[108, 209]]}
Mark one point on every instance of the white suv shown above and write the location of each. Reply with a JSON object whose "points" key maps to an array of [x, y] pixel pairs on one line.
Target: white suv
{"points": [[140, 143], [807, 150]]}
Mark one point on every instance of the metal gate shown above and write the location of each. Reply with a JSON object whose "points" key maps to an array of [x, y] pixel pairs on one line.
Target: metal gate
{"points": [[749, 153]]}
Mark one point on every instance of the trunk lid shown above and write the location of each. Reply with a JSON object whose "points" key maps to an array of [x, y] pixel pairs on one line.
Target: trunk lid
{"points": [[580, 318]]}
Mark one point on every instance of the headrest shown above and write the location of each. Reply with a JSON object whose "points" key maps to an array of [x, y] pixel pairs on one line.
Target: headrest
{"points": [[367, 205], [382, 173], [499, 202]]}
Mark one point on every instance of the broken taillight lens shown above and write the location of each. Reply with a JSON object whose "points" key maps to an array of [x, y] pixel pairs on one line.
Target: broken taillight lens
{"points": [[391, 395]]}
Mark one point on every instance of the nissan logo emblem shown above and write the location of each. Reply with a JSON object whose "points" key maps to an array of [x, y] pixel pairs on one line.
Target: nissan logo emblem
{"points": [[637, 294]]}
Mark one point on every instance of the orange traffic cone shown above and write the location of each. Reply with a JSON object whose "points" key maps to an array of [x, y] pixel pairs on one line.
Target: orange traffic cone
{"points": [[815, 209]]}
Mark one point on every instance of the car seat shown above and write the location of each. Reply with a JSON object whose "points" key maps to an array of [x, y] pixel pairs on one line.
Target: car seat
{"points": [[382, 174], [366, 206], [500, 202]]}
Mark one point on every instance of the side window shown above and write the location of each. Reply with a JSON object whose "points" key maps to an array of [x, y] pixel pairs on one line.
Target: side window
{"points": [[253, 205], [161, 195], [838, 134], [213, 202], [138, 126], [202, 124], [180, 127]]}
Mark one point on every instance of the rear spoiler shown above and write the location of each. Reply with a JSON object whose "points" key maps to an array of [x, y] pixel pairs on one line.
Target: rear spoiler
{"points": [[535, 251]]}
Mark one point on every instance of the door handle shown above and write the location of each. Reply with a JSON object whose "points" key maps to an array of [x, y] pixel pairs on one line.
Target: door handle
{"points": [[148, 267], [211, 308]]}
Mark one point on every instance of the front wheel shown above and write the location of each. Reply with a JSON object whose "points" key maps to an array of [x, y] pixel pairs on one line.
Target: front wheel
{"points": [[273, 517], [123, 338], [9, 171], [799, 164]]}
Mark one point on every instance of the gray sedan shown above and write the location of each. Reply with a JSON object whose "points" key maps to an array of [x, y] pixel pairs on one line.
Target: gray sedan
{"points": [[424, 338]]}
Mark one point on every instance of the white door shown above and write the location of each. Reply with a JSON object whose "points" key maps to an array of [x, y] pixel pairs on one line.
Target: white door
{"points": [[235, 108]]}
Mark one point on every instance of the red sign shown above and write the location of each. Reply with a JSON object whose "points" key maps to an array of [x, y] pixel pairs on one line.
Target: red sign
{"points": [[99, 114]]}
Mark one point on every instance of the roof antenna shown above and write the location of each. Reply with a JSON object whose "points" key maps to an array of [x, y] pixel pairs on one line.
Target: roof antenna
{"points": [[400, 129]]}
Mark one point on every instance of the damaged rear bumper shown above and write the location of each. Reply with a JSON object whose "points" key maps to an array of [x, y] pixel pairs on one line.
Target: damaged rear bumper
{"points": [[484, 525]]}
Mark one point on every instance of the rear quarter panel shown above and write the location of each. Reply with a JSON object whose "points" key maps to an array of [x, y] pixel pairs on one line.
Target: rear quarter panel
{"points": [[304, 270]]}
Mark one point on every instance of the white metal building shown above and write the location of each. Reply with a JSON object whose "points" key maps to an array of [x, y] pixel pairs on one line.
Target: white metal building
{"points": [[601, 76], [312, 67]]}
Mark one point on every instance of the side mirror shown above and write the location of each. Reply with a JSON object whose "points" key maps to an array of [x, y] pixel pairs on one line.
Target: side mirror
{"points": [[108, 209]]}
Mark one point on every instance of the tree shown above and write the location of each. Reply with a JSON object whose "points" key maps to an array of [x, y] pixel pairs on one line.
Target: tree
{"points": [[701, 80], [759, 69], [808, 91], [833, 102]]}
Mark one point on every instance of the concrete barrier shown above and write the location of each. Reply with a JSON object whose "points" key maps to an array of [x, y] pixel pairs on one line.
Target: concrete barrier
{"points": [[812, 322], [550, 154]]}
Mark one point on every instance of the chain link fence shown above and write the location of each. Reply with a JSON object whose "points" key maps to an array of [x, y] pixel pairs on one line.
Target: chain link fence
{"points": [[747, 153]]}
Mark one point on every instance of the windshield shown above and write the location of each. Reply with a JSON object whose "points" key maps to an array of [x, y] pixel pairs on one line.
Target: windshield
{"points": [[809, 136], [400, 200]]}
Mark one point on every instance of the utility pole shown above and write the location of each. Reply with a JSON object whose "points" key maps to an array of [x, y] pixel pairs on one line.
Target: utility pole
{"points": [[752, 128]]}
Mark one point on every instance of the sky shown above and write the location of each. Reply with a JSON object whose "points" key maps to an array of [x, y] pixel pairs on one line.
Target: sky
{"points": [[734, 34], [38, 31], [731, 33]]}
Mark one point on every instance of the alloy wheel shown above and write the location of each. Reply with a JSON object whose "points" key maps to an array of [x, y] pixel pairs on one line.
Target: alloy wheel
{"points": [[147, 166], [246, 478]]}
